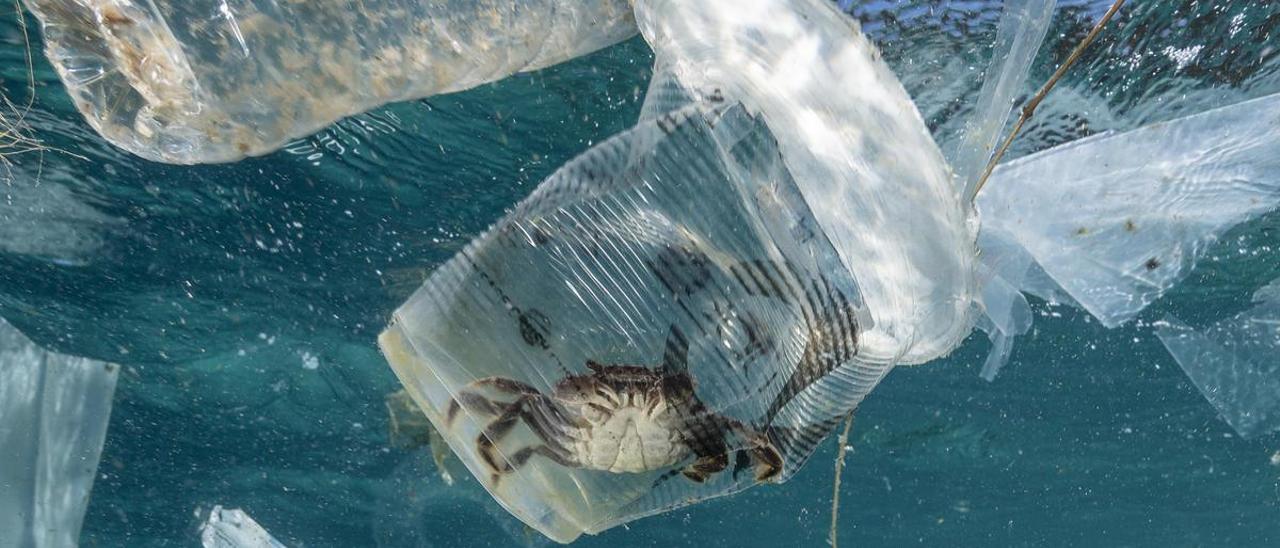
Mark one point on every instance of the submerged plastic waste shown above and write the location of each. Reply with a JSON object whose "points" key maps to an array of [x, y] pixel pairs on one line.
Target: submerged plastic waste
{"points": [[234, 529], [686, 309], [1116, 219], [1235, 362], [1111, 222], [197, 81], [689, 307], [54, 411]]}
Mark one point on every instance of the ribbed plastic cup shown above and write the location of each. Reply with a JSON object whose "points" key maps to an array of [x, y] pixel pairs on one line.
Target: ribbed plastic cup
{"points": [[202, 81]]}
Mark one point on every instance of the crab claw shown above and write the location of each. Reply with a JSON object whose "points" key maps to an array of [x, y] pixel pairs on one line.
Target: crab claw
{"points": [[768, 463], [702, 468]]}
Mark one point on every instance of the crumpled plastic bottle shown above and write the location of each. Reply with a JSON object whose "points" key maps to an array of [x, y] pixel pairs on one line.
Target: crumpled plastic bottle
{"points": [[201, 81]]}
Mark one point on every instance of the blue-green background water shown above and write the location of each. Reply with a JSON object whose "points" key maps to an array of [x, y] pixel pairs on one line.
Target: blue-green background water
{"points": [[243, 301]]}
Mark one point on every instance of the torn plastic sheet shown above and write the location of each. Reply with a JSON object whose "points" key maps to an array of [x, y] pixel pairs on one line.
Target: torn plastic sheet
{"points": [[1004, 269], [1006, 314], [1235, 363], [196, 81], [54, 411], [1110, 222], [1116, 219], [1022, 28], [234, 529]]}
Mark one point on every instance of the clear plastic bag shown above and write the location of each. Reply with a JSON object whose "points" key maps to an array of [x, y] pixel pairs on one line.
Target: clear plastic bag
{"points": [[196, 81], [688, 308]]}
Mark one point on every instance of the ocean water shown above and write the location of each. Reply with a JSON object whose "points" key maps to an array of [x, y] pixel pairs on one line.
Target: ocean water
{"points": [[242, 302]]}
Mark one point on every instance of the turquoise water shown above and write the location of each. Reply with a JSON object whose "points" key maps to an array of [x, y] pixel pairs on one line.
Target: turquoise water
{"points": [[243, 301]]}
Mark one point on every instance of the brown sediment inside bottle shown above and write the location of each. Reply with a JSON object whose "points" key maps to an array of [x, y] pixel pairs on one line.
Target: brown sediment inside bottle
{"points": [[171, 83]]}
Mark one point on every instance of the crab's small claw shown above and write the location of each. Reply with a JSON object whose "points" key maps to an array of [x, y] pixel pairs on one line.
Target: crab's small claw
{"points": [[702, 468], [768, 463], [696, 476]]}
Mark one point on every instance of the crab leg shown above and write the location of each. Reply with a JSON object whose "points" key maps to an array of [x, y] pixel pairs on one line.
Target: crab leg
{"points": [[473, 401], [486, 405], [768, 460], [504, 384], [498, 429], [517, 460]]}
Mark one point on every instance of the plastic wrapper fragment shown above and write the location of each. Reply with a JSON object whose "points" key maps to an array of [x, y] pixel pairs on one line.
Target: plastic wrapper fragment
{"points": [[232, 528], [1235, 363], [1022, 28], [1004, 269], [54, 411], [1116, 219]]}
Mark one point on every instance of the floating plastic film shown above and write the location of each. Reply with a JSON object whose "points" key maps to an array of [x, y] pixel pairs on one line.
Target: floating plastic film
{"points": [[1235, 363], [1116, 219], [1006, 314], [194, 81], [1022, 28], [54, 411], [688, 308]]}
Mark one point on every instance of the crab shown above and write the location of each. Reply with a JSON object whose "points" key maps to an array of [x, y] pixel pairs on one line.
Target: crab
{"points": [[615, 418]]}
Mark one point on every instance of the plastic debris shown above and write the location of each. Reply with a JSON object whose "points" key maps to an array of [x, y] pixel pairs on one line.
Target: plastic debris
{"points": [[54, 411], [1116, 219], [1110, 222], [1022, 28], [1004, 270], [719, 274], [196, 81], [1235, 363], [234, 529], [688, 308]]}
